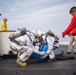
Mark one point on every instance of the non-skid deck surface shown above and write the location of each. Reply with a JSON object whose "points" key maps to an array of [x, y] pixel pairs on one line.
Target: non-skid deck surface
{"points": [[60, 67]]}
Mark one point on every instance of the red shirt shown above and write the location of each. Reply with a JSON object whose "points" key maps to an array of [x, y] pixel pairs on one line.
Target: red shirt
{"points": [[71, 27], [73, 32]]}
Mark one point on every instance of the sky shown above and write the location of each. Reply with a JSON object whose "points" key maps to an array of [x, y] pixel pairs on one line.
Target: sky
{"points": [[37, 15]]}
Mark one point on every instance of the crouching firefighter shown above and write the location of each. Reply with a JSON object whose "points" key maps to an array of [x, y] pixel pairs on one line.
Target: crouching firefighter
{"points": [[52, 41], [40, 48], [20, 41], [47, 42]]}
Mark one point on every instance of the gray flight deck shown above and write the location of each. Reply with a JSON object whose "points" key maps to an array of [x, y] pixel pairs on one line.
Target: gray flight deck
{"points": [[59, 67]]}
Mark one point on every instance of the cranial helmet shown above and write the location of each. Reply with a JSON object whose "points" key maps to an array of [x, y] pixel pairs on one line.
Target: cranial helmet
{"points": [[34, 32], [23, 31], [39, 33]]}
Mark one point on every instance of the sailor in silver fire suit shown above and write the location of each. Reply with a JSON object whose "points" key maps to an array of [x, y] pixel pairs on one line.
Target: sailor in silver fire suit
{"points": [[46, 39], [21, 43]]}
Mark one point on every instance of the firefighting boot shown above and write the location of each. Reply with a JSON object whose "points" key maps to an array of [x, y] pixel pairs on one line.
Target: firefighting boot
{"points": [[19, 62]]}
